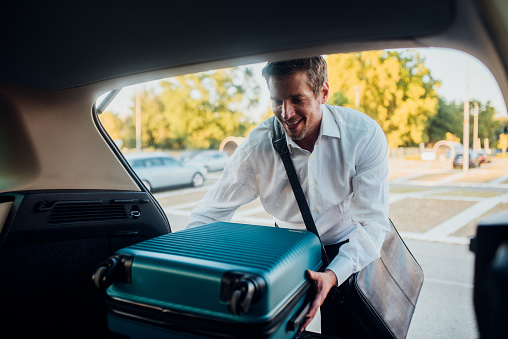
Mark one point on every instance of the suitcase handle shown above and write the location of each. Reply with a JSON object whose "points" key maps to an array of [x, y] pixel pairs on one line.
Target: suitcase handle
{"points": [[295, 322]]}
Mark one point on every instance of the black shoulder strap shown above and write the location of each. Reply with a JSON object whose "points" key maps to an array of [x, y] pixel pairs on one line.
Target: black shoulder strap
{"points": [[281, 146]]}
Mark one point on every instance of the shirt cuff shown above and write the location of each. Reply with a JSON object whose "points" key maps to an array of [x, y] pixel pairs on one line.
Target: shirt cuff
{"points": [[342, 269]]}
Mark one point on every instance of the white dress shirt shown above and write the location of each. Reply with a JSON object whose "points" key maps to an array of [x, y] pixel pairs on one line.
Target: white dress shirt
{"points": [[345, 180]]}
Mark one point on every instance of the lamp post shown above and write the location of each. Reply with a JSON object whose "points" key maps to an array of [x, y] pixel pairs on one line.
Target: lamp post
{"points": [[476, 141], [357, 96], [138, 122], [465, 155]]}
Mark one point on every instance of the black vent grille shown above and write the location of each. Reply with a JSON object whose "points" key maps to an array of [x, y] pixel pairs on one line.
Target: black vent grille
{"points": [[76, 212]]}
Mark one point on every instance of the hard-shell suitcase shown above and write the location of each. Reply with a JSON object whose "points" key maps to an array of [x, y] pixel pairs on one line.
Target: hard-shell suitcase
{"points": [[221, 280]]}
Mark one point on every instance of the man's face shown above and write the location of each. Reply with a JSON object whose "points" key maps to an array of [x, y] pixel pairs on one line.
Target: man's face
{"points": [[297, 108]]}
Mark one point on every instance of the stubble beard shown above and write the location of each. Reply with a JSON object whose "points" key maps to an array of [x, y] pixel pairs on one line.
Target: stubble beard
{"points": [[303, 134], [305, 131]]}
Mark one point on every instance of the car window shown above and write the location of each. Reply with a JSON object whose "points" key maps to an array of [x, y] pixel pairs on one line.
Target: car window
{"points": [[170, 162], [152, 162], [137, 163], [418, 97]]}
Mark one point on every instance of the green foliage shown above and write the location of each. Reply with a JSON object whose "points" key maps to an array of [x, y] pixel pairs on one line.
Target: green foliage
{"points": [[193, 111], [449, 119], [487, 125], [339, 99], [503, 142], [113, 124], [394, 88]]}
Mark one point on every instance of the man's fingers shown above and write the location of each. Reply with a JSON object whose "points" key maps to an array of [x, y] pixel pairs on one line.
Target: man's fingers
{"points": [[318, 299], [308, 318], [323, 282], [311, 274]]}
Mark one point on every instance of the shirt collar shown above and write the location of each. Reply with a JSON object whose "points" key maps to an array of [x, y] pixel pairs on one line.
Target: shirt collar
{"points": [[329, 127]]}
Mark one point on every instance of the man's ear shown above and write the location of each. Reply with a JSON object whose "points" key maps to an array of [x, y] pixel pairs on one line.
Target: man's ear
{"points": [[324, 93]]}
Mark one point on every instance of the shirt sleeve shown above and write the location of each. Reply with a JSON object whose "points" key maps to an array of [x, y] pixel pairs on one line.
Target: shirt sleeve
{"points": [[237, 186], [369, 208]]}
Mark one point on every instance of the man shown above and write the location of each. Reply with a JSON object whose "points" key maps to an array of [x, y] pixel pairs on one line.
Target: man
{"points": [[340, 156]]}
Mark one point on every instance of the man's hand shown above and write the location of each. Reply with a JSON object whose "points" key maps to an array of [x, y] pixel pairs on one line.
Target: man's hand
{"points": [[323, 283]]}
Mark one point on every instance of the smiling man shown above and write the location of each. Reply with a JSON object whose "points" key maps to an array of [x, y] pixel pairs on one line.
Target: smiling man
{"points": [[340, 156]]}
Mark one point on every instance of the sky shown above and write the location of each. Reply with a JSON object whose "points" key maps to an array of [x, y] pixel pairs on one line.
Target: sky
{"points": [[453, 68]]}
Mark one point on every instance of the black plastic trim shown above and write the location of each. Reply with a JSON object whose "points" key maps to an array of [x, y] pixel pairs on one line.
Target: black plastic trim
{"points": [[127, 166], [27, 222]]}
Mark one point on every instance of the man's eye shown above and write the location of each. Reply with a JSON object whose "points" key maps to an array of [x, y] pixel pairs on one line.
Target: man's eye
{"points": [[277, 102]]}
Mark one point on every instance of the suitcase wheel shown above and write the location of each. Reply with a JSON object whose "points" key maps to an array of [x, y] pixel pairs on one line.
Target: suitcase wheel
{"points": [[241, 290], [114, 269], [242, 296]]}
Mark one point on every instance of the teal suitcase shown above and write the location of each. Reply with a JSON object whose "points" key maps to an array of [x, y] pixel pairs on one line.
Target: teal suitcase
{"points": [[221, 280]]}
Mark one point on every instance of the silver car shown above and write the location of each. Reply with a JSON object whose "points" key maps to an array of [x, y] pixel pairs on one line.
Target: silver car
{"points": [[158, 170], [211, 160]]}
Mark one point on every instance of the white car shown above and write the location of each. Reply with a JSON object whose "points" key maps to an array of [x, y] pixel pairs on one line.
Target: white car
{"points": [[159, 170], [211, 160]]}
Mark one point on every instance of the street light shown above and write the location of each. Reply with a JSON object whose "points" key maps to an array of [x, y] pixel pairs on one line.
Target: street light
{"points": [[476, 141], [138, 122], [357, 96], [465, 155]]}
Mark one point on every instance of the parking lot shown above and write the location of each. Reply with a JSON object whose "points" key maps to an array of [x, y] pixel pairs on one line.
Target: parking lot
{"points": [[436, 209], [428, 199]]}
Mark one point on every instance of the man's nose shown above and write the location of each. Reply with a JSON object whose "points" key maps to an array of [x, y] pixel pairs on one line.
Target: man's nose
{"points": [[288, 111]]}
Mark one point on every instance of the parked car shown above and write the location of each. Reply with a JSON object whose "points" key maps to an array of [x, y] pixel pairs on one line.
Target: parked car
{"points": [[187, 155], [68, 197], [474, 160], [158, 170], [485, 156], [211, 160]]}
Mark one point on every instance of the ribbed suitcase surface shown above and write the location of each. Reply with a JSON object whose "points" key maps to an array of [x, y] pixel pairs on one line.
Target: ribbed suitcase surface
{"points": [[191, 274]]}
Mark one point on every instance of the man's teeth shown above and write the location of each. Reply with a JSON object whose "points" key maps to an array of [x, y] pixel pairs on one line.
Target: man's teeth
{"points": [[293, 123]]}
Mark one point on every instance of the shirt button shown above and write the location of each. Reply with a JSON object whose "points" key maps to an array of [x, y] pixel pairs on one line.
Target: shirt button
{"points": [[314, 210], [313, 183], [312, 156]]}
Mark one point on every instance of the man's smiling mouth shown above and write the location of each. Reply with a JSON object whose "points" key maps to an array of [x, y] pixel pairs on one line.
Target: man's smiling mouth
{"points": [[293, 123]]}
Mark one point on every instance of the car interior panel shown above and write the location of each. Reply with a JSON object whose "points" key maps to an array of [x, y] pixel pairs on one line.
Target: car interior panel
{"points": [[68, 197]]}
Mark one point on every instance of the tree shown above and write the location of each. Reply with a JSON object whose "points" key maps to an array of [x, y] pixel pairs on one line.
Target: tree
{"points": [[394, 88], [113, 124], [339, 99], [451, 137], [503, 143], [197, 110], [487, 124], [448, 120]]}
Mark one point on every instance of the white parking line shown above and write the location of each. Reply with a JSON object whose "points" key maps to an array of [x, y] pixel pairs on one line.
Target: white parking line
{"points": [[460, 220], [394, 197], [499, 180]]}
